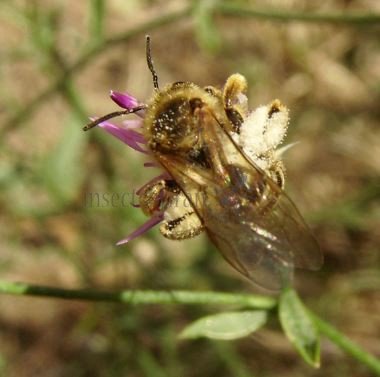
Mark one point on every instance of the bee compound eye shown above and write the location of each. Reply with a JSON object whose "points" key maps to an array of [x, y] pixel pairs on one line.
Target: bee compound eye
{"points": [[195, 103], [178, 84], [209, 90]]}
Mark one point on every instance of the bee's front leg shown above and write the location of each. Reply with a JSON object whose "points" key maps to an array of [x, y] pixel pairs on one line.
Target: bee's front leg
{"points": [[180, 219]]}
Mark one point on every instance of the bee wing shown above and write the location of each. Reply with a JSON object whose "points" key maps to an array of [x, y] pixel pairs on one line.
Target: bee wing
{"points": [[274, 243], [286, 223], [263, 245], [243, 244], [253, 254]]}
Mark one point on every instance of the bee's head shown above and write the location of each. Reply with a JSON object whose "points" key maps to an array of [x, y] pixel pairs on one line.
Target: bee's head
{"points": [[172, 119], [172, 122]]}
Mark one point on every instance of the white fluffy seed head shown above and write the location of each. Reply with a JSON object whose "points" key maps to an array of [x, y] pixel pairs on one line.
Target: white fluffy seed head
{"points": [[276, 127], [252, 131], [262, 131]]}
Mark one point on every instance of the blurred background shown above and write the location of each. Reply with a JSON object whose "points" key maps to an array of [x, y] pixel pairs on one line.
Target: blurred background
{"points": [[58, 61]]}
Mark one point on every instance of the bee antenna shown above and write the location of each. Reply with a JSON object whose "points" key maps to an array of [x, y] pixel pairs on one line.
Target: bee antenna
{"points": [[150, 63], [97, 121]]}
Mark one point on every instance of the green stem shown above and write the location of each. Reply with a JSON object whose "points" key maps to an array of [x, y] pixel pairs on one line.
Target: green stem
{"points": [[70, 93], [139, 297], [285, 16], [347, 345]]}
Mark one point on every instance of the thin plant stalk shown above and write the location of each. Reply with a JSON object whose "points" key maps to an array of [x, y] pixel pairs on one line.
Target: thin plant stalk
{"points": [[146, 297]]}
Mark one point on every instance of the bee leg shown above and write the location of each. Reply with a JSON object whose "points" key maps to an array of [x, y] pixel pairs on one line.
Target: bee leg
{"points": [[180, 220], [235, 101], [187, 226], [158, 195], [277, 172]]}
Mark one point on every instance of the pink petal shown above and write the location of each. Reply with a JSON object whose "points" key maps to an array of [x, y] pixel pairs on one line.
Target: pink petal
{"points": [[154, 220], [129, 137], [132, 123], [126, 101], [137, 137]]}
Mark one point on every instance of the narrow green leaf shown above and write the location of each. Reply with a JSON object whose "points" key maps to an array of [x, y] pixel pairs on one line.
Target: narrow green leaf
{"points": [[206, 31], [226, 326], [42, 26], [62, 169], [149, 365], [97, 13], [3, 364], [299, 327], [233, 361]]}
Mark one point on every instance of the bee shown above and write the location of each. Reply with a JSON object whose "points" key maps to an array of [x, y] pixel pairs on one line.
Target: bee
{"points": [[223, 161]]}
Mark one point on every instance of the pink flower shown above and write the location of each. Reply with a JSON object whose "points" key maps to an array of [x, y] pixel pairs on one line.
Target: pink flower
{"points": [[130, 133]]}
